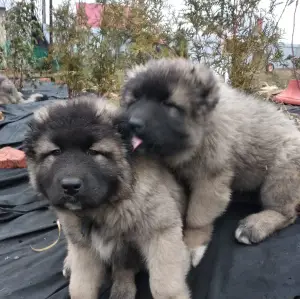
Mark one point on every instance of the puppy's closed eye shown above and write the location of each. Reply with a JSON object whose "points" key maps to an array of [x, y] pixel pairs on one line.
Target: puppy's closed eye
{"points": [[93, 152], [173, 109], [55, 152]]}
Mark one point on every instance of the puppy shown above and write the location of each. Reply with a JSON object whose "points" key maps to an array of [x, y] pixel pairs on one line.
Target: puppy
{"points": [[117, 209], [216, 139], [8, 92], [10, 95]]}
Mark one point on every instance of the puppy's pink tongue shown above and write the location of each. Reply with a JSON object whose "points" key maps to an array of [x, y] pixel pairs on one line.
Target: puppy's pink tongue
{"points": [[136, 142]]}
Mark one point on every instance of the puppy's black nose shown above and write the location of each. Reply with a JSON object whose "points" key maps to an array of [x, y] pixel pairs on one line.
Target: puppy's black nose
{"points": [[71, 185], [136, 124]]}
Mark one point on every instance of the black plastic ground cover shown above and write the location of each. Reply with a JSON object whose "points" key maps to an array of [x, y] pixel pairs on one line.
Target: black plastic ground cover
{"points": [[229, 270]]}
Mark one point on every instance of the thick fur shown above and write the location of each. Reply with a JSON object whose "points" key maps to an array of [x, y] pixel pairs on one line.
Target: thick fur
{"points": [[10, 95], [217, 139], [133, 204], [8, 92]]}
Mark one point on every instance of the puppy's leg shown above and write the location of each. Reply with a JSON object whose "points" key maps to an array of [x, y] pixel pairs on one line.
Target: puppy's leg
{"points": [[87, 273], [280, 196], [67, 267], [124, 267], [168, 263], [209, 199], [123, 284], [67, 262]]}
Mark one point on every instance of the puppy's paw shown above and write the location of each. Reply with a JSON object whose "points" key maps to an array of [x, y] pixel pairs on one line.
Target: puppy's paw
{"points": [[197, 254], [66, 269], [66, 272], [242, 235], [251, 230]]}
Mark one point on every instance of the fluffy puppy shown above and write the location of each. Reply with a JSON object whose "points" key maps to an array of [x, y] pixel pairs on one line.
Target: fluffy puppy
{"points": [[10, 95], [116, 209], [217, 139], [8, 92]]}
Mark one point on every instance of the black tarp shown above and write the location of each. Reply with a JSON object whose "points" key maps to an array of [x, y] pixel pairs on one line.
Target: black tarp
{"points": [[269, 270]]}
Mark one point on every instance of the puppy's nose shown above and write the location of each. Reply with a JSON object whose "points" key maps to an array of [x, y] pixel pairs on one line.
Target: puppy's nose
{"points": [[136, 124], [71, 185]]}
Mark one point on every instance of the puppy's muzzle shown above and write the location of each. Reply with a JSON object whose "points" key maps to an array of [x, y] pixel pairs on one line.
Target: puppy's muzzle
{"points": [[71, 185], [136, 124]]}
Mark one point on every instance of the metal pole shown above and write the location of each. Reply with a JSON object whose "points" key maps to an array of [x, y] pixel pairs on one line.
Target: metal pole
{"points": [[50, 21]]}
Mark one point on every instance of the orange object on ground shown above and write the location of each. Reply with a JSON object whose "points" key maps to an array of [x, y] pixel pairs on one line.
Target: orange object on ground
{"points": [[291, 95], [45, 79], [12, 158]]}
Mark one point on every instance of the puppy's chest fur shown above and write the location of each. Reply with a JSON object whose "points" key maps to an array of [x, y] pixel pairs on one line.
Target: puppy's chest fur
{"points": [[110, 232]]}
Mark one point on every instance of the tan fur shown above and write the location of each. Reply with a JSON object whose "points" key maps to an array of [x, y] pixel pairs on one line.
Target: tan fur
{"points": [[145, 212], [87, 272]]}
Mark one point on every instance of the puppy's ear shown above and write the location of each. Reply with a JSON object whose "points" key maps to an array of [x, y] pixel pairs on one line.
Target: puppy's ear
{"points": [[206, 84], [134, 71], [29, 139]]}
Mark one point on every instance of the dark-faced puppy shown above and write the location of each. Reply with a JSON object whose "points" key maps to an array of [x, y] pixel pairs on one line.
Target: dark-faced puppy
{"points": [[71, 140], [215, 138], [161, 104], [116, 209]]}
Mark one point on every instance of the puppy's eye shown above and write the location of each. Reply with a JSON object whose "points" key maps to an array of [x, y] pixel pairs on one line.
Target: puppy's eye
{"points": [[92, 152], [172, 108], [55, 152]]}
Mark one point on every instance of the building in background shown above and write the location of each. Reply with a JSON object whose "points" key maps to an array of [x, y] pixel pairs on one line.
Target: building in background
{"points": [[288, 50]]}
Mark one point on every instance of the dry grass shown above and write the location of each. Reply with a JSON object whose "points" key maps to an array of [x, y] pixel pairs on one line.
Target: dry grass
{"points": [[279, 77]]}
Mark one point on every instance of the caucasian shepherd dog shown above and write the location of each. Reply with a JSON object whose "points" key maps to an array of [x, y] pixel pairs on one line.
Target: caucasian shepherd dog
{"points": [[217, 139], [117, 210]]}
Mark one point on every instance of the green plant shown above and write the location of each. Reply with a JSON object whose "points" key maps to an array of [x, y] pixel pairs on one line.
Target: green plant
{"points": [[22, 31], [229, 36], [93, 59]]}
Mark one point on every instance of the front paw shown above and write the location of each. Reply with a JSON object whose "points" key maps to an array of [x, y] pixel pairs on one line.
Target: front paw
{"points": [[251, 230], [197, 241], [123, 291], [197, 254], [66, 268]]}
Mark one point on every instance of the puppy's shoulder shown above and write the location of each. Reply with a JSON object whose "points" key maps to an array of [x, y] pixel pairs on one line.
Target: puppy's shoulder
{"points": [[156, 182]]}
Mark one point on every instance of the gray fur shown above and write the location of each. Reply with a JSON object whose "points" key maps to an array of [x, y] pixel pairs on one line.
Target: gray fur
{"points": [[235, 142], [8, 92], [10, 95], [139, 225]]}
